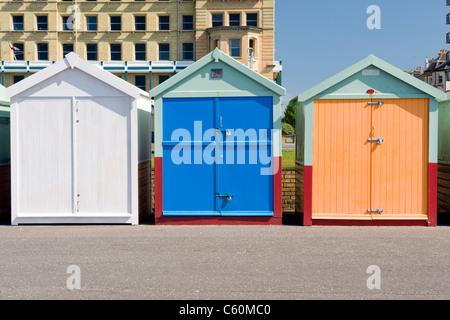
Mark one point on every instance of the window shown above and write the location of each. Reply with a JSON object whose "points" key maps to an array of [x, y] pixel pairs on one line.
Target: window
{"points": [[18, 51], [252, 46], [188, 51], [116, 51], [217, 20], [440, 79], [42, 23], [17, 23], [235, 47], [141, 82], [67, 48], [91, 23], [188, 23], [217, 43], [252, 19], [139, 23], [91, 51], [164, 51], [115, 23], [18, 78], [164, 23], [163, 78], [42, 51], [139, 52], [67, 25], [235, 19]]}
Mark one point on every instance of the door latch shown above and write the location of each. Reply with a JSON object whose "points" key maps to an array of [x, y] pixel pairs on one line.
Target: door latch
{"points": [[227, 196], [379, 141], [379, 211], [376, 103]]}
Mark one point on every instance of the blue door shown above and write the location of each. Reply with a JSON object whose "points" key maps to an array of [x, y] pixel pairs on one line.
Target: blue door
{"points": [[216, 157], [245, 181]]}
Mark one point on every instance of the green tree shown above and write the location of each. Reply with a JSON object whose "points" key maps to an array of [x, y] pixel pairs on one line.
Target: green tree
{"points": [[287, 128], [289, 115]]}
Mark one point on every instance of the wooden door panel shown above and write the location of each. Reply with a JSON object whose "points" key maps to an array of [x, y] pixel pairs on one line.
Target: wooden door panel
{"points": [[400, 163], [102, 156], [341, 159]]}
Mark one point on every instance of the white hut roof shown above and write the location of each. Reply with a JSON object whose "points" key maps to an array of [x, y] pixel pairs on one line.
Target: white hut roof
{"points": [[73, 61]]}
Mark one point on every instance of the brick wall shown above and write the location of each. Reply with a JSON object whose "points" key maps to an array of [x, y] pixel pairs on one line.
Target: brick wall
{"points": [[443, 189], [144, 186], [288, 189], [299, 177], [5, 194]]}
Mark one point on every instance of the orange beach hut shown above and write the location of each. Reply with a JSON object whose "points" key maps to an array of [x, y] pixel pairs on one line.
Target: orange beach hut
{"points": [[366, 151]]}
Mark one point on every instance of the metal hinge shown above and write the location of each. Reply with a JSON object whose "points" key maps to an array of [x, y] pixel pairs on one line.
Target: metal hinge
{"points": [[379, 140], [77, 205], [376, 103], [76, 110]]}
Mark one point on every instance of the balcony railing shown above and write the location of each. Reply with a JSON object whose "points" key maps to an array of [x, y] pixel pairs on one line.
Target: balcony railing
{"points": [[112, 66]]}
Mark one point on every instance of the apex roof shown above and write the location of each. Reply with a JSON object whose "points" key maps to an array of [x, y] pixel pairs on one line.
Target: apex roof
{"points": [[73, 61], [216, 56], [372, 60]]}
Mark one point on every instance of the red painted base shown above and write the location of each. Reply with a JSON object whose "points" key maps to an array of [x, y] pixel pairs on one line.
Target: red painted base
{"points": [[372, 223], [226, 221]]}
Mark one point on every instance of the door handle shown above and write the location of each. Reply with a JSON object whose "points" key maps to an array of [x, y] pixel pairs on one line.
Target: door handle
{"points": [[380, 211], [379, 141], [228, 196]]}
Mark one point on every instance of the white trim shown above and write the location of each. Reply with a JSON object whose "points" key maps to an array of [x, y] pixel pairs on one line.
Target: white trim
{"points": [[14, 165], [51, 218], [133, 191], [72, 61]]}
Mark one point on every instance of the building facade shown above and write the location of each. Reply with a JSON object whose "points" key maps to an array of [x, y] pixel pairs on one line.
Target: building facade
{"points": [[448, 22], [143, 42], [437, 71]]}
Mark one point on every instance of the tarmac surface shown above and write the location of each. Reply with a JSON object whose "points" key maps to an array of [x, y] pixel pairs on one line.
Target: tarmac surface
{"points": [[286, 262]]}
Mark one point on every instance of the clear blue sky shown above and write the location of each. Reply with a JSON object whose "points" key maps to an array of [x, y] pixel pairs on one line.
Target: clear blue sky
{"points": [[317, 39]]}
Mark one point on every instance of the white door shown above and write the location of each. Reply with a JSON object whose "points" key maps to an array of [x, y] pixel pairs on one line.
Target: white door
{"points": [[102, 157], [44, 156]]}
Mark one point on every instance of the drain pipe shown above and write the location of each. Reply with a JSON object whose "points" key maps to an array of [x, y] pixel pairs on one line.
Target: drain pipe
{"points": [[178, 30]]}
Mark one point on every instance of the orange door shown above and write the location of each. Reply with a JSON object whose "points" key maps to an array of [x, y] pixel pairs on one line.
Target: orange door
{"points": [[341, 160], [400, 162], [358, 179]]}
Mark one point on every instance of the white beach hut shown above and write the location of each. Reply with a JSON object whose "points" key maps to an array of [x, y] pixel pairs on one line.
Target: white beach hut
{"points": [[80, 147]]}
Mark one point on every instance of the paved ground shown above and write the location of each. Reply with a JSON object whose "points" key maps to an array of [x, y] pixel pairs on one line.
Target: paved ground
{"points": [[288, 262]]}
